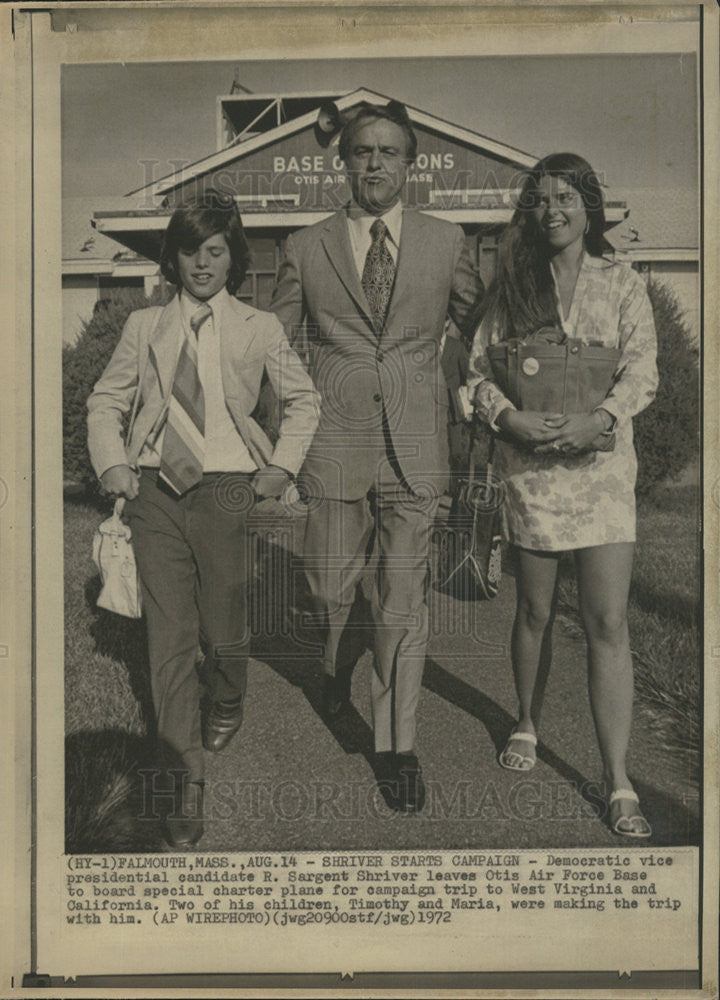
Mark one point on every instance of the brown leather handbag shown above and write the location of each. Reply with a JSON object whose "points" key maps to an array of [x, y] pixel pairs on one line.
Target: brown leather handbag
{"points": [[553, 373]]}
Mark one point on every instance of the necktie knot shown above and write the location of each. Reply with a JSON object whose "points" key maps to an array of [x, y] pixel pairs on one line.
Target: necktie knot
{"points": [[199, 316], [378, 230]]}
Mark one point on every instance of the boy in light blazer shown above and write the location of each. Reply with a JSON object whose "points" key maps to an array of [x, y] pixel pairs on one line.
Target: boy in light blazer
{"points": [[194, 465]]}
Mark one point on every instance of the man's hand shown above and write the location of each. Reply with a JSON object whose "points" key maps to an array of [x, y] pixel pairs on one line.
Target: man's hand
{"points": [[575, 433], [468, 410], [530, 427], [270, 481], [121, 481]]}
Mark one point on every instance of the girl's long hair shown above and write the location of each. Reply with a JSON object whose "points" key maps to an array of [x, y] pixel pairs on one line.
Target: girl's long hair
{"points": [[521, 298]]}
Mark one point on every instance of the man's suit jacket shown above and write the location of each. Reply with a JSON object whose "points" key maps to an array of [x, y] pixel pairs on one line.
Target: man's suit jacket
{"points": [[360, 375], [251, 342]]}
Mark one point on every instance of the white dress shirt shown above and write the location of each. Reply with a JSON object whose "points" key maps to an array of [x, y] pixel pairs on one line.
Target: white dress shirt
{"points": [[359, 223], [225, 450]]}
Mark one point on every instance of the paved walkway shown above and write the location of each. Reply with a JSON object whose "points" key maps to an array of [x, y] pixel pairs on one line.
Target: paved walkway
{"points": [[291, 781]]}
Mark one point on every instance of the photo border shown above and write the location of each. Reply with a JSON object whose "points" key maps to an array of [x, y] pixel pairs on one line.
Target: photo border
{"points": [[26, 505]]}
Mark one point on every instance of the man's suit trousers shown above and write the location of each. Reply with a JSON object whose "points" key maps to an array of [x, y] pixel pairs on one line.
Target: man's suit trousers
{"points": [[339, 540], [193, 554]]}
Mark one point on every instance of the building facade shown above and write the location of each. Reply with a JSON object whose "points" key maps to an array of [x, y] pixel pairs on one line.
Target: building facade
{"points": [[284, 171]]}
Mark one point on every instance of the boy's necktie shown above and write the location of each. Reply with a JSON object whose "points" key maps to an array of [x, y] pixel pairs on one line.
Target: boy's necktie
{"points": [[378, 274], [183, 452]]}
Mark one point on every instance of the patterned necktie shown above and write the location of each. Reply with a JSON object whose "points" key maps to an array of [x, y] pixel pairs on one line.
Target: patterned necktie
{"points": [[183, 452], [378, 274]]}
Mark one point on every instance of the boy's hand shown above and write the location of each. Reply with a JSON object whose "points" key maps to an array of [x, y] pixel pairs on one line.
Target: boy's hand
{"points": [[270, 481], [121, 481]]}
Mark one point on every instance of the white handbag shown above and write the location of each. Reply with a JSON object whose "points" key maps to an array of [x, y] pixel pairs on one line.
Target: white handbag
{"points": [[114, 557]]}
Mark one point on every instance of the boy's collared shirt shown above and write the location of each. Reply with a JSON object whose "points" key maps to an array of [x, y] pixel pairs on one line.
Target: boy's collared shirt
{"points": [[359, 223], [225, 450]]}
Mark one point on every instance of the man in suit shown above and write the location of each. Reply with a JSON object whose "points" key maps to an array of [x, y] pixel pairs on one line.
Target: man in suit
{"points": [[194, 464], [375, 284]]}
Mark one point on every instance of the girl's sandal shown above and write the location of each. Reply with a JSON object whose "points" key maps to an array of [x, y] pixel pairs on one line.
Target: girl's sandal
{"points": [[634, 825], [526, 762]]}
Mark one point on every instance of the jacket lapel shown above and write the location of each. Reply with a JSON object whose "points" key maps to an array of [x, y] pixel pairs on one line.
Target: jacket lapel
{"points": [[409, 252], [163, 345], [336, 241], [239, 328], [237, 333]]}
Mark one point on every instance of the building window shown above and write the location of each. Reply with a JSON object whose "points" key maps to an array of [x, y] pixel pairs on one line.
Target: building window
{"points": [[257, 289], [107, 284]]}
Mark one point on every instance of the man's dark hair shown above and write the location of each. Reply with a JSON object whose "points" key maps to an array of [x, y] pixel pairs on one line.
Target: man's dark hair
{"points": [[195, 221], [393, 112]]}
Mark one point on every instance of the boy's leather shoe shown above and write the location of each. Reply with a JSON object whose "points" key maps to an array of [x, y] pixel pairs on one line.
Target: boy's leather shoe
{"points": [[220, 723], [184, 823]]}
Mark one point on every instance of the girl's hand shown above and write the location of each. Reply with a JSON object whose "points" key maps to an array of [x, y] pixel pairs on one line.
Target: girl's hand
{"points": [[531, 427], [575, 433]]}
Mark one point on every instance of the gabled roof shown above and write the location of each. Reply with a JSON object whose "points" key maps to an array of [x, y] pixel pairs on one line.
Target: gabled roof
{"points": [[88, 250], [225, 157], [248, 111], [80, 241], [663, 220]]}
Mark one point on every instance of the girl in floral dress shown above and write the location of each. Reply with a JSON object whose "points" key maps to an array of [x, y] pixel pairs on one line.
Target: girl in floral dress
{"points": [[561, 493]]}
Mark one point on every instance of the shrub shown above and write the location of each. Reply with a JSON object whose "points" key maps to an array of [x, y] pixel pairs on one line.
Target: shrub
{"points": [[667, 433], [83, 364]]}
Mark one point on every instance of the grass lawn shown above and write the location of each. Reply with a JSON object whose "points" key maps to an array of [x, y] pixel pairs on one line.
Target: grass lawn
{"points": [[106, 668]]}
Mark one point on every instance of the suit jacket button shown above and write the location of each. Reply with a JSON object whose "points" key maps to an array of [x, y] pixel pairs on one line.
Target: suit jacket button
{"points": [[377, 397], [380, 357]]}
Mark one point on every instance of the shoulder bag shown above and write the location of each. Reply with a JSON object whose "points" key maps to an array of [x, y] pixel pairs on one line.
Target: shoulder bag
{"points": [[553, 373]]}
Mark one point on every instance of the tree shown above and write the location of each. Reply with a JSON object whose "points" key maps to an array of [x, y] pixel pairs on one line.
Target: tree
{"points": [[667, 432], [83, 363]]}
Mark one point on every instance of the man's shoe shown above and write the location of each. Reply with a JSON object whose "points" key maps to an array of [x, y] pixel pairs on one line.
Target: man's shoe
{"points": [[385, 770], [184, 823], [220, 723], [411, 787], [335, 696]]}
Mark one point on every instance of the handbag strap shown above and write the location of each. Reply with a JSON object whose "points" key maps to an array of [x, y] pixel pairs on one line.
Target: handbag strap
{"points": [[471, 451], [566, 374], [115, 524], [513, 369]]}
